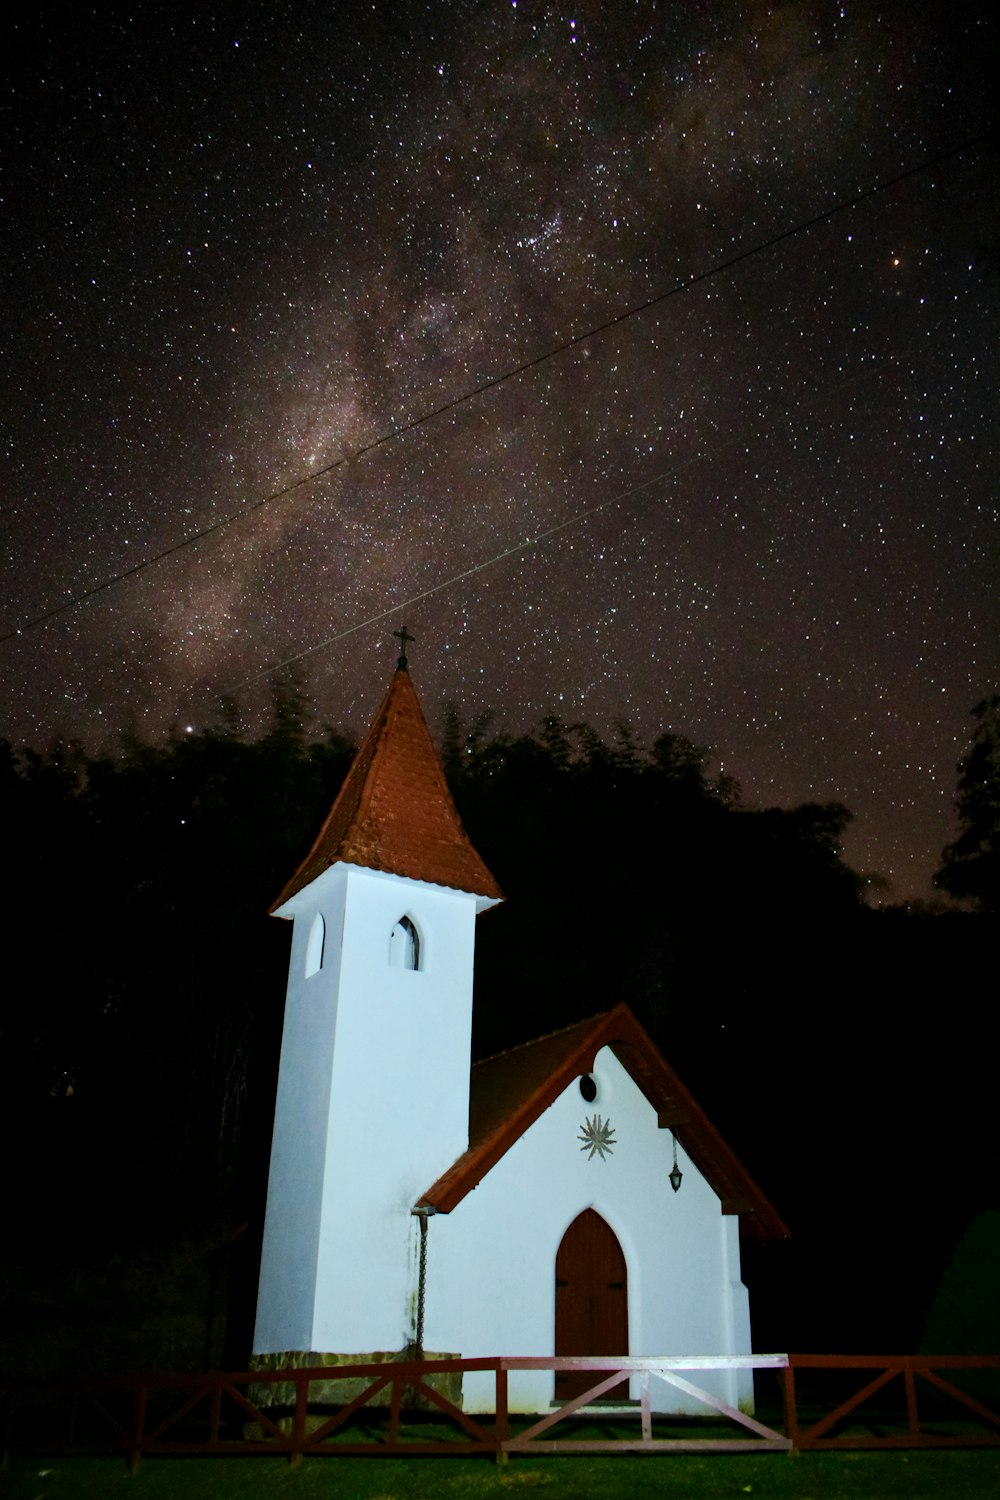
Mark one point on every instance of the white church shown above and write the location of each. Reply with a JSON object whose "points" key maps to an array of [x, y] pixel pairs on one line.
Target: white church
{"points": [[567, 1196]]}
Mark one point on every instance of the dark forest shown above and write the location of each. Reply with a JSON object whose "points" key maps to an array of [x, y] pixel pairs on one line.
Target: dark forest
{"points": [[842, 1050]]}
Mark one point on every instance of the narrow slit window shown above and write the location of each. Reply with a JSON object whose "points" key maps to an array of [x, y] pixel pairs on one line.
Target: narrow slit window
{"points": [[404, 945], [314, 947]]}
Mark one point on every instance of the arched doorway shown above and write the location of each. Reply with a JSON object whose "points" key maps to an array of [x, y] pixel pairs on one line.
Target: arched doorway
{"points": [[591, 1301]]}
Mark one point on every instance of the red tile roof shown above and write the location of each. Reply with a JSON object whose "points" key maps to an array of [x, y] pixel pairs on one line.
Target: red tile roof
{"points": [[511, 1090], [394, 811]]}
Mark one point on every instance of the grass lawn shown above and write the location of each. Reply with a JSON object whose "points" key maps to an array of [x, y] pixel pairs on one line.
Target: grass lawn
{"points": [[968, 1474]]}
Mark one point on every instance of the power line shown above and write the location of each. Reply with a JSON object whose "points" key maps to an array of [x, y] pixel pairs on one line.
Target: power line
{"points": [[863, 378], [489, 562], [571, 343]]}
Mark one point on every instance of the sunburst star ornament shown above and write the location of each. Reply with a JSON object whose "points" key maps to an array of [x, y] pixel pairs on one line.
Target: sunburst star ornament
{"points": [[597, 1136]]}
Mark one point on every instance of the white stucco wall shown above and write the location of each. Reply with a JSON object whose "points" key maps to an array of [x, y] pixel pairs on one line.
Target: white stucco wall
{"points": [[372, 1106], [491, 1262]]}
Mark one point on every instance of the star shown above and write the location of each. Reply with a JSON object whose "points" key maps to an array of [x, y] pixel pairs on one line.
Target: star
{"points": [[211, 304], [597, 1136]]}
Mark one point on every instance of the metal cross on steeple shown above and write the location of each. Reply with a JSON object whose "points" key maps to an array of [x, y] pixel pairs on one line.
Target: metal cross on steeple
{"points": [[403, 637]]}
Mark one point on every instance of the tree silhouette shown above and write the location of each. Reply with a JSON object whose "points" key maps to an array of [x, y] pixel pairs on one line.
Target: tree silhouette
{"points": [[139, 1064], [138, 1054], [970, 868]]}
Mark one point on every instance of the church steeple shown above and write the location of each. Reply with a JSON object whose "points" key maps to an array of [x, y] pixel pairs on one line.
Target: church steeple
{"points": [[394, 812], [373, 1084]]}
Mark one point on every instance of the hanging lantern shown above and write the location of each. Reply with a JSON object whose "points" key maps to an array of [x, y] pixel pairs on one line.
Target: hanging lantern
{"points": [[676, 1175]]}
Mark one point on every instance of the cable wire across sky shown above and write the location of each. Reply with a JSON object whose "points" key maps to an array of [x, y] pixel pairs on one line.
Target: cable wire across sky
{"points": [[398, 432], [247, 249]]}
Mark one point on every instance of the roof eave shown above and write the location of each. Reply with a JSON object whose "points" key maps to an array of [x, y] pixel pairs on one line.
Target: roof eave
{"points": [[738, 1192]]}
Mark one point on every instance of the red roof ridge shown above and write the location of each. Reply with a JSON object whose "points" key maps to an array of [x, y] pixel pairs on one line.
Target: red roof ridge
{"points": [[518, 1097], [394, 812]]}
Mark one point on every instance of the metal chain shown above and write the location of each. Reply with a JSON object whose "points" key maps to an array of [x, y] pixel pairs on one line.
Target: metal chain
{"points": [[421, 1285]]}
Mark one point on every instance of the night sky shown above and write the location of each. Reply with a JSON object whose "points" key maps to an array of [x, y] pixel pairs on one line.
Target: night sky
{"points": [[242, 244]]}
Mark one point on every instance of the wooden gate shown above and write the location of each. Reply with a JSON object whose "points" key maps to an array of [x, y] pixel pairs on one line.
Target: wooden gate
{"points": [[591, 1301]]}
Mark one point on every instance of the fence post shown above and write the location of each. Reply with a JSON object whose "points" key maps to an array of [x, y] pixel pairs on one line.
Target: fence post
{"points": [[298, 1422], [647, 1417], [912, 1415], [791, 1411], [501, 1414], [215, 1417]]}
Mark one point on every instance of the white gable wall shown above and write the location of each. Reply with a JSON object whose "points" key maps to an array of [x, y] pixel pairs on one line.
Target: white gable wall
{"points": [[373, 1104], [491, 1261]]}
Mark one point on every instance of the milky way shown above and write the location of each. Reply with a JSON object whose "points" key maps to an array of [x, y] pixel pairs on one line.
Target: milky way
{"points": [[244, 243]]}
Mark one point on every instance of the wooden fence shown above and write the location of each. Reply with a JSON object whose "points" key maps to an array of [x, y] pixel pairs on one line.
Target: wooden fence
{"points": [[924, 1401], [400, 1409]]}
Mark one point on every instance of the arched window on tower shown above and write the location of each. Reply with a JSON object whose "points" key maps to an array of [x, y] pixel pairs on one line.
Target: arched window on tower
{"points": [[404, 945], [314, 946]]}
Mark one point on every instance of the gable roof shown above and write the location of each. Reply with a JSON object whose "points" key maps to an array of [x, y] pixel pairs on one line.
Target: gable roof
{"points": [[511, 1090], [394, 811]]}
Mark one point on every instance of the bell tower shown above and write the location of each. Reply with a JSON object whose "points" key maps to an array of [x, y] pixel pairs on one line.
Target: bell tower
{"points": [[373, 1083]]}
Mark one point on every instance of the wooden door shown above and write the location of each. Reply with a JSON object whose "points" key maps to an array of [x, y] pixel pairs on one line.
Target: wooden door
{"points": [[591, 1301]]}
